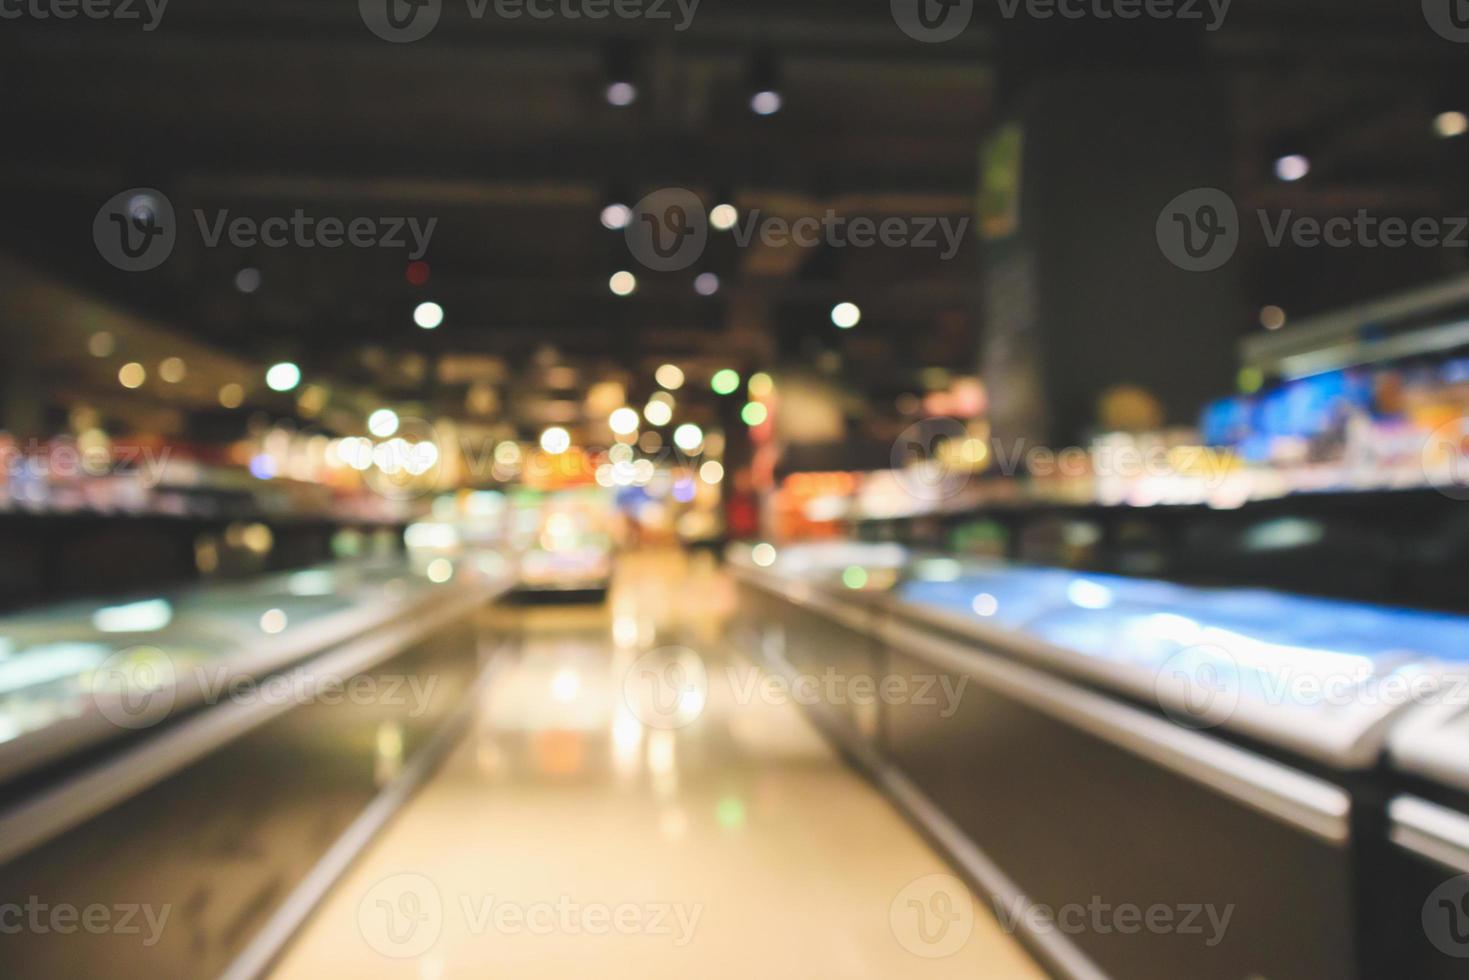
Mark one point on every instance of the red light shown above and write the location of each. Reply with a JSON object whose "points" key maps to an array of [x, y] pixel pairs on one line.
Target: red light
{"points": [[417, 273]]}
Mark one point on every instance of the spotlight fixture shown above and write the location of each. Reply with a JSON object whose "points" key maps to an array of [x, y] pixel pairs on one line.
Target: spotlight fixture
{"points": [[846, 315], [765, 90], [621, 94], [428, 315], [621, 84], [723, 217], [247, 280], [282, 376], [1292, 167], [616, 216], [1450, 123], [622, 283], [766, 102]]}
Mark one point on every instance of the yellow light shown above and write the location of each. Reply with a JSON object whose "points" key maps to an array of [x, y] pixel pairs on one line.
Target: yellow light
{"points": [[622, 283], [657, 413], [273, 621], [172, 370], [624, 421], [760, 384], [669, 376], [231, 395], [132, 375], [712, 472], [723, 217], [311, 400], [1451, 124]]}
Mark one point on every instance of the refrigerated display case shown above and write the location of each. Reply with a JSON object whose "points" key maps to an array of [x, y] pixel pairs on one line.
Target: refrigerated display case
{"points": [[1137, 740], [162, 745], [1423, 902]]}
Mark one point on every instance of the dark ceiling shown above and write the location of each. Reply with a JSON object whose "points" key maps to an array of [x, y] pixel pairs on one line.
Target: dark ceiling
{"points": [[499, 130]]}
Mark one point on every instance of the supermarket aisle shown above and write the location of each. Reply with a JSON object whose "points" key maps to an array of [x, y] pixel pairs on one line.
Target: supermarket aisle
{"points": [[583, 830]]}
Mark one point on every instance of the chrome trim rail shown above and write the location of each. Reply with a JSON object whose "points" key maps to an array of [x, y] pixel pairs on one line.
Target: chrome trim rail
{"points": [[1060, 954], [1431, 743], [1431, 831], [267, 945]]}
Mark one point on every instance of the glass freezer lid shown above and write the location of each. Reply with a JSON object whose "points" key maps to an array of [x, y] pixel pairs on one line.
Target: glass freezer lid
{"points": [[1093, 613], [1433, 741], [1318, 676], [53, 659]]}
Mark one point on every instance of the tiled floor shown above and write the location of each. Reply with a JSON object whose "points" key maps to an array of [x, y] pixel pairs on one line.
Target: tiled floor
{"points": [[587, 831]]}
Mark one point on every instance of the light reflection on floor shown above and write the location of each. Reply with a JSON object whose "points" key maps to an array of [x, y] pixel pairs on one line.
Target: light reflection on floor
{"points": [[576, 834]]}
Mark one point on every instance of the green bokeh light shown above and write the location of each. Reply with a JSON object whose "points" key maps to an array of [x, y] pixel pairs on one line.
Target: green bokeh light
{"points": [[725, 381]]}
